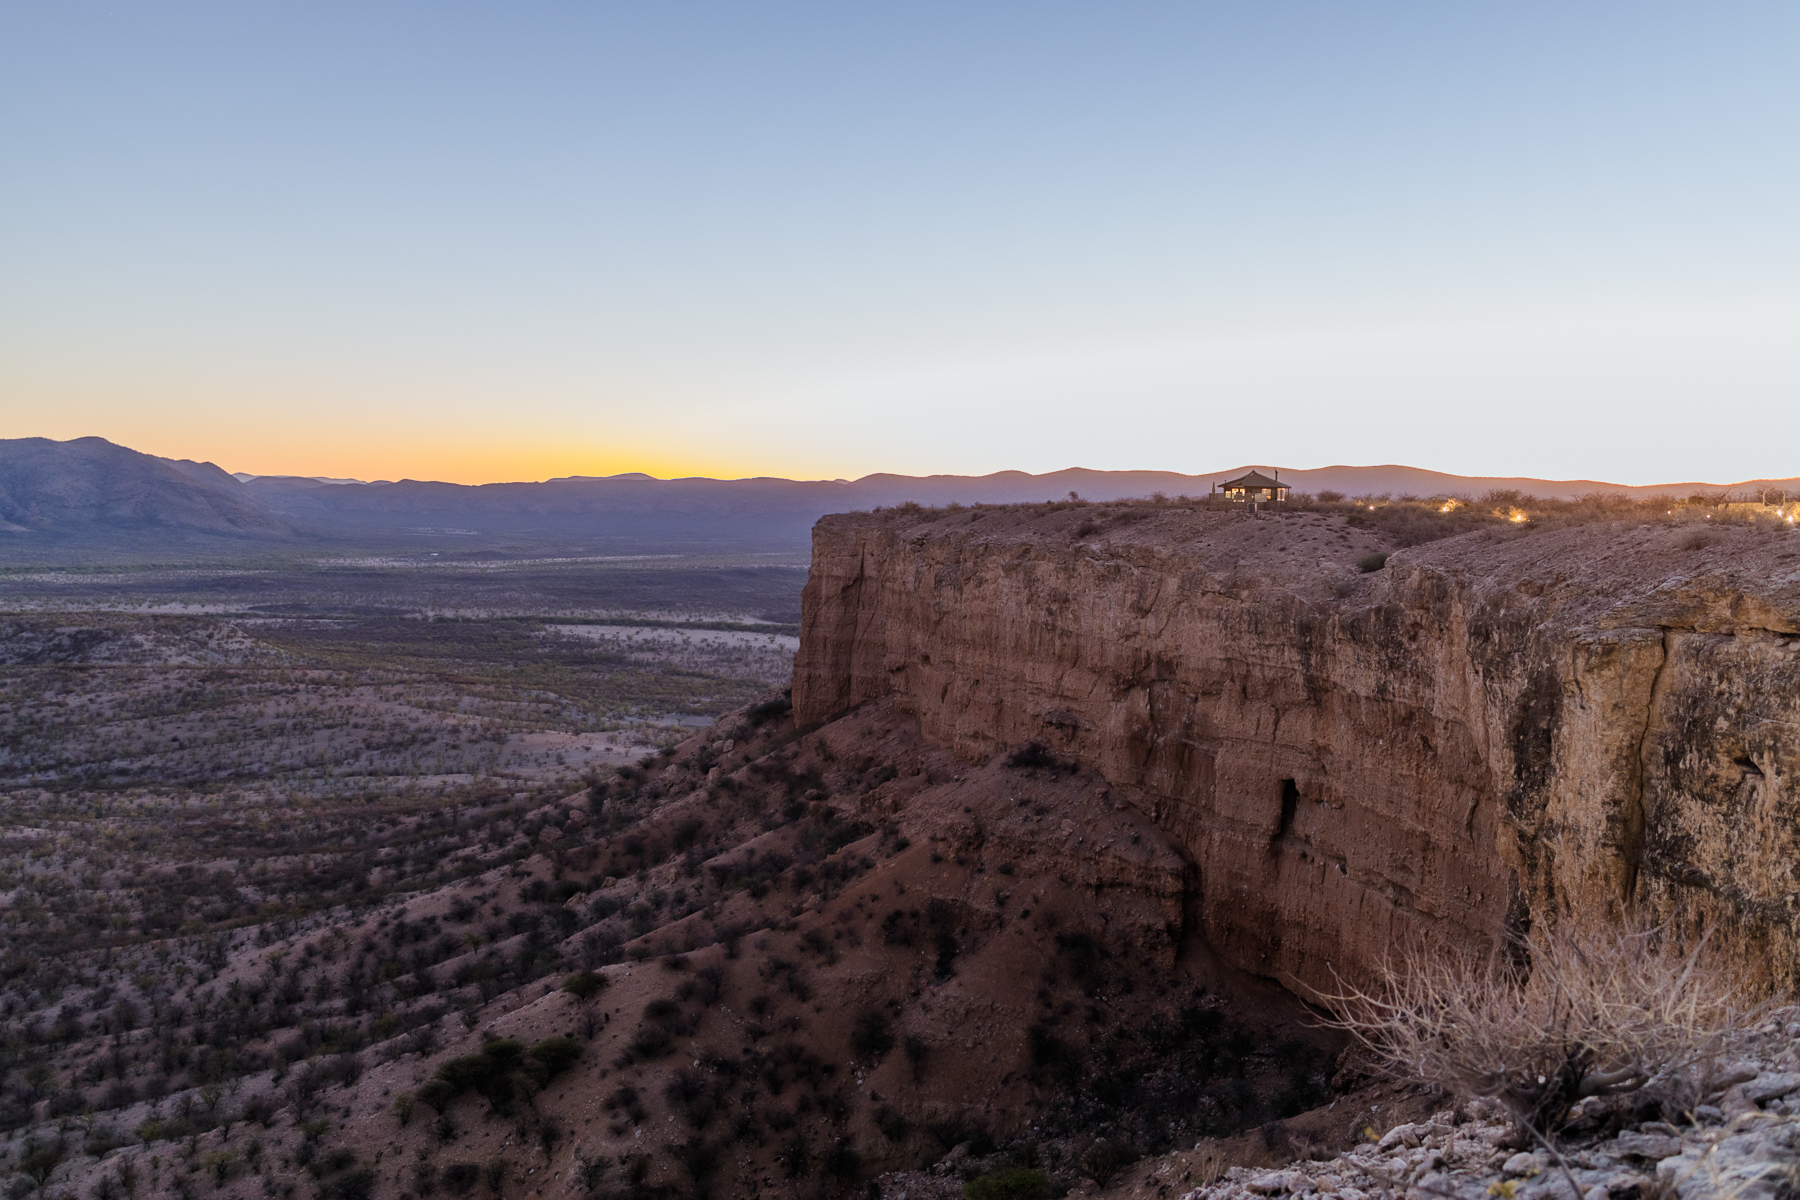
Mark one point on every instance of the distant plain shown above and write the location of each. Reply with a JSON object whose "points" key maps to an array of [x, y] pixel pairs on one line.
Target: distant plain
{"points": [[237, 716]]}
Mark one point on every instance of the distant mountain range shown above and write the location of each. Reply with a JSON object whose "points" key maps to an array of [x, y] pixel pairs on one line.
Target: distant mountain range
{"points": [[89, 496]]}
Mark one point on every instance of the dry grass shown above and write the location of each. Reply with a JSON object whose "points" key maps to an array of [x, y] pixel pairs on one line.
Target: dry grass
{"points": [[1548, 1021]]}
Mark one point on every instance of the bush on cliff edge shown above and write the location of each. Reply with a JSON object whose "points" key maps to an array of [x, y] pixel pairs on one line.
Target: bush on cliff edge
{"points": [[1546, 1022]]}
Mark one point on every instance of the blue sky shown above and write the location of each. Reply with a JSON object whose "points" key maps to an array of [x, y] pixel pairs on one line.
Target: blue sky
{"points": [[512, 241]]}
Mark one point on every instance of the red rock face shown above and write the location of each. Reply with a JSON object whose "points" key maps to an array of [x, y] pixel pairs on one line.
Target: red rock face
{"points": [[1493, 730]]}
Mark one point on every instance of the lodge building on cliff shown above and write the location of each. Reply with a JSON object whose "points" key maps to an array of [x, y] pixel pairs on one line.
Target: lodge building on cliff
{"points": [[1252, 488]]}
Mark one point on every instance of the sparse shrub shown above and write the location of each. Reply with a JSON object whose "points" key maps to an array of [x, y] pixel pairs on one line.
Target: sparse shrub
{"points": [[873, 1035], [795, 1157], [342, 1068], [1053, 1056], [354, 1185], [67, 1103], [460, 1177], [894, 1126], [650, 1041], [1105, 1159], [1544, 1022], [403, 1108], [917, 1050], [699, 1158], [219, 1164], [590, 1171], [1694, 539], [554, 1055], [1011, 1183], [501, 1070], [439, 1093], [769, 710], [39, 1160], [947, 950], [842, 1161], [540, 891], [1034, 755], [709, 985], [626, 1099], [955, 1131], [584, 985]]}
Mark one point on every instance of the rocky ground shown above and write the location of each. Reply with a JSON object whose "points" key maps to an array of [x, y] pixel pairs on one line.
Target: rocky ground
{"points": [[1741, 1142]]}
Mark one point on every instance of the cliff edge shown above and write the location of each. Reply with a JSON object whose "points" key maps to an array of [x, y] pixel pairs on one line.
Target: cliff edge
{"points": [[1495, 729]]}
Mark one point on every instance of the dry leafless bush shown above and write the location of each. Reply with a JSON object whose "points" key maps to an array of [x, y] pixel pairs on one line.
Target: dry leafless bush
{"points": [[1546, 1022]]}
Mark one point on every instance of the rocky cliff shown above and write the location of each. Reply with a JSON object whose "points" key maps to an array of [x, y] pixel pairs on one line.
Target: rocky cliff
{"points": [[1494, 730]]}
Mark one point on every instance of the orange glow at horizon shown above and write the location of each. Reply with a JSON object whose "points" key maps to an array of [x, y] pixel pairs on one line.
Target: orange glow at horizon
{"points": [[445, 459], [458, 463], [465, 438]]}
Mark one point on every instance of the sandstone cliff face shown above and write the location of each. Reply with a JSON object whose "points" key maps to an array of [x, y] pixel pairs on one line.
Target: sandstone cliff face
{"points": [[1496, 729]]}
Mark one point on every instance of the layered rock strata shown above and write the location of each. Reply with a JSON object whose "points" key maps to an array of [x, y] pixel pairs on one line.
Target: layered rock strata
{"points": [[1507, 727]]}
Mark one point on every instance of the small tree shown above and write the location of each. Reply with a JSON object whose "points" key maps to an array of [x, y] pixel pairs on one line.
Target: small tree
{"points": [[585, 985]]}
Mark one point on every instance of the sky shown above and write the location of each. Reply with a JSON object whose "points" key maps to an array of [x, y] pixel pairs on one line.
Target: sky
{"points": [[478, 242]]}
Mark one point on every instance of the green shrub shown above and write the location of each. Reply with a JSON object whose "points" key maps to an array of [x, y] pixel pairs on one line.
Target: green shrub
{"points": [[554, 1055], [1013, 1183], [439, 1093], [584, 985], [1372, 562]]}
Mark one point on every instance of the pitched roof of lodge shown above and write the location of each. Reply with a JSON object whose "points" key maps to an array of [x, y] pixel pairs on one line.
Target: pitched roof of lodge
{"points": [[1255, 479]]}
